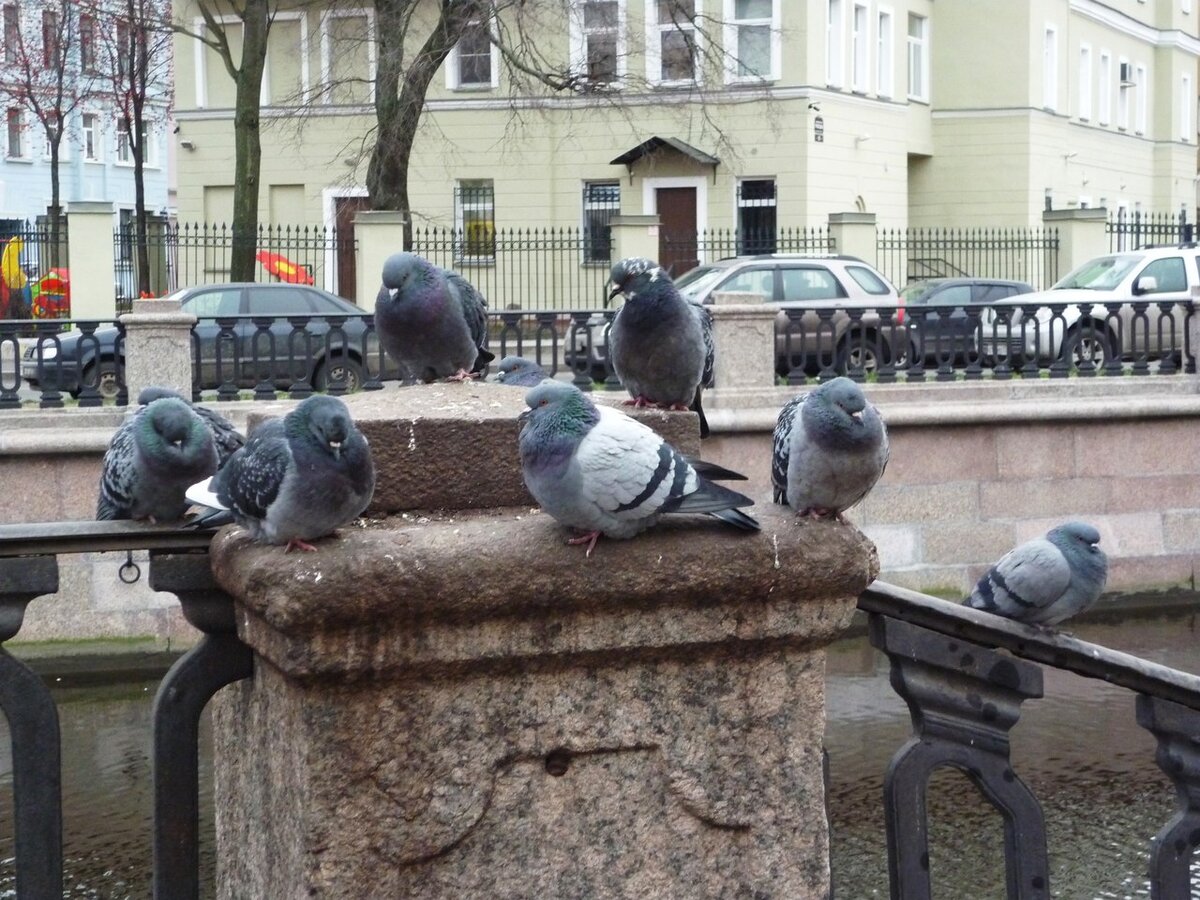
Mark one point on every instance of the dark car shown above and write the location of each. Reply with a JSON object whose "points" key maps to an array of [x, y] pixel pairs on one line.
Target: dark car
{"points": [[939, 312], [325, 349]]}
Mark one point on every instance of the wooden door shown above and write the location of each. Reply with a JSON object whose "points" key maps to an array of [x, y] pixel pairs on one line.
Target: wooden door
{"points": [[345, 209], [677, 238]]}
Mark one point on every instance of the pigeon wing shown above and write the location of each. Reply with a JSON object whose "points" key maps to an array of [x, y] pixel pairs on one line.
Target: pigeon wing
{"points": [[118, 476], [251, 481], [474, 310], [704, 314], [781, 447], [227, 439], [1026, 579]]}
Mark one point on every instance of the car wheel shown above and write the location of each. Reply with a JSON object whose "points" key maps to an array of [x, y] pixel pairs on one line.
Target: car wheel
{"points": [[106, 384], [1088, 345], [338, 370], [858, 351]]}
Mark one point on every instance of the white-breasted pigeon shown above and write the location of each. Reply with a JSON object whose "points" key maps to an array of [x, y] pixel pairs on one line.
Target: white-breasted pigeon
{"points": [[830, 448], [597, 470], [152, 458], [297, 479], [1046, 580], [661, 345], [432, 321]]}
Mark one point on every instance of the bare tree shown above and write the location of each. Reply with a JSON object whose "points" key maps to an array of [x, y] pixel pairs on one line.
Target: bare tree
{"points": [[133, 39], [41, 77]]}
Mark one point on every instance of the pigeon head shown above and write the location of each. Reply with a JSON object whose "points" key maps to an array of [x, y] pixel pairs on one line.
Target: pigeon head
{"points": [[324, 421], [169, 434], [401, 269], [512, 366], [555, 406], [1077, 537], [628, 276], [834, 415]]}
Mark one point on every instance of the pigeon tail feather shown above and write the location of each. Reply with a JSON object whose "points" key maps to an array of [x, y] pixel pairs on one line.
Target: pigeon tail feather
{"points": [[738, 519]]}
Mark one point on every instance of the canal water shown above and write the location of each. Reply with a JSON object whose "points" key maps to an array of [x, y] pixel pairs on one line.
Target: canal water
{"points": [[1079, 748]]}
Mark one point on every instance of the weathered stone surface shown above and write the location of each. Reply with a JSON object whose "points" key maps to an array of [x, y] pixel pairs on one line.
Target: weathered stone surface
{"points": [[463, 706]]}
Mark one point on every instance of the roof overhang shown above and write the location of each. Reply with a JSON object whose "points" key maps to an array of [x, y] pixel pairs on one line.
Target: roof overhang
{"points": [[655, 144]]}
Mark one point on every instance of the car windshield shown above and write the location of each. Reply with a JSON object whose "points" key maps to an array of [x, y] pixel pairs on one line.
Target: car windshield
{"points": [[916, 292], [1103, 273], [695, 282]]}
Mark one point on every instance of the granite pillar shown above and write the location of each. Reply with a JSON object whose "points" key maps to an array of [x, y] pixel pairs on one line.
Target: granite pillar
{"points": [[453, 703], [158, 346]]}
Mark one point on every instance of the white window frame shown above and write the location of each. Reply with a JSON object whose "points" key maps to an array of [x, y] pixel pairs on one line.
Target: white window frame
{"points": [[97, 136], [1187, 101], [63, 145], [1141, 93], [452, 67], [1050, 67], [1104, 106], [119, 132], [1085, 82], [583, 216], [578, 42], [920, 46], [149, 147], [885, 57], [199, 47], [654, 33], [362, 12], [1123, 91], [860, 47], [834, 50], [23, 153], [733, 24]]}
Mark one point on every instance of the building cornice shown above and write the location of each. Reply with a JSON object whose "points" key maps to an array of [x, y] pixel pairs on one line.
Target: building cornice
{"points": [[1119, 22]]}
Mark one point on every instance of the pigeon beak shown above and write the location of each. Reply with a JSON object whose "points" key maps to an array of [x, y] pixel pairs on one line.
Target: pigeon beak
{"points": [[615, 290], [524, 416], [856, 416], [392, 292], [336, 447]]}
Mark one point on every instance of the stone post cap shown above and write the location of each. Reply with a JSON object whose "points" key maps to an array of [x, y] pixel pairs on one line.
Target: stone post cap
{"points": [[157, 311], [438, 592], [750, 299]]}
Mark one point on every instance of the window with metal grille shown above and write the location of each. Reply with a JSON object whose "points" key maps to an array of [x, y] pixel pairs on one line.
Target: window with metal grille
{"points": [[756, 215], [601, 201], [475, 221]]}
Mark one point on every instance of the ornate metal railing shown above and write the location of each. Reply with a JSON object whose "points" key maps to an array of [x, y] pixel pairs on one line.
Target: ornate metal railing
{"points": [[179, 564], [964, 696]]}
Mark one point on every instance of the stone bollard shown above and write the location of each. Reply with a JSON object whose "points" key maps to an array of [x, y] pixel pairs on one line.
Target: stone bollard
{"points": [[158, 347], [744, 333], [455, 704]]}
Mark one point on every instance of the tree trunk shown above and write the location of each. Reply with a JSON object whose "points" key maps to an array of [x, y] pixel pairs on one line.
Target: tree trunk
{"points": [[247, 140]]}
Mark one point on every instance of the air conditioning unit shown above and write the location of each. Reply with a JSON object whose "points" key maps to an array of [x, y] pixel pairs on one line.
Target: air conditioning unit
{"points": [[1126, 73]]}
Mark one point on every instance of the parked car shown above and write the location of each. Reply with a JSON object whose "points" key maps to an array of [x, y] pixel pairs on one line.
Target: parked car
{"points": [[937, 313], [847, 333], [75, 360], [1089, 315]]}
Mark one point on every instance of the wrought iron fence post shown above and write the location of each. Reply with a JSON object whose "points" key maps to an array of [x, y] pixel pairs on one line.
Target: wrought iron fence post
{"points": [[1177, 729], [963, 699]]}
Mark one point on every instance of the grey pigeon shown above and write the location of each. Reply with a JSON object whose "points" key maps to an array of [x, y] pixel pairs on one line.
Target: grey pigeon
{"points": [[152, 458], [1046, 580], [431, 321], [226, 438], [297, 479], [597, 470], [830, 448], [517, 371], [660, 344]]}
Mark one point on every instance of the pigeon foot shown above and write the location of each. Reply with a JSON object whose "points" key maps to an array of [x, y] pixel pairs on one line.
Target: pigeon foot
{"points": [[462, 375], [299, 545], [677, 407], [590, 539], [639, 402]]}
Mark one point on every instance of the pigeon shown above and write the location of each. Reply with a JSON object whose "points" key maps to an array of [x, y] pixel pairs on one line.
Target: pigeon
{"points": [[661, 345], [297, 479], [152, 458], [1046, 580], [597, 470], [226, 438], [433, 322], [830, 448], [517, 371]]}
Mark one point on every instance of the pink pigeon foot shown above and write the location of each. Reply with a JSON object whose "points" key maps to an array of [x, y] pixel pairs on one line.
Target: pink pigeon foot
{"points": [[462, 375], [590, 539], [639, 402], [677, 407], [299, 545]]}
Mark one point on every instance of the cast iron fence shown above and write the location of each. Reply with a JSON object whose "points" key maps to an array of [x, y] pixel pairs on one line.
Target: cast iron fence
{"points": [[964, 697], [34, 279], [1019, 254], [1132, 231], [711, 244]]}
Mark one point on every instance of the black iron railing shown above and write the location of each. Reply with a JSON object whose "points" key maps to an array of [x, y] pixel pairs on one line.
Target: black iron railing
{"points": [[1134, 230], [964, 696], [1022, 254], [178, 563]]}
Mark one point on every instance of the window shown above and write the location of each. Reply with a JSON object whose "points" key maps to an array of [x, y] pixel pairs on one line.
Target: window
{"points": [[16, 135], [1123, 91], [598, 41], [918, 57], [51, 54], [87, 44], [1186, 100], [123, 49], [1168, 272], [756, 215], [601, 201], [833, 44], [886, 39], [751, 39], [124, 148], [475, 221], [671, 41], [1085, 82], [810, 283], [91, 137], [12, 33], [1141, 87], [347, 58], [1105, 111], [1050, 68], [470, 64], [209, 304], [859, 38]]}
